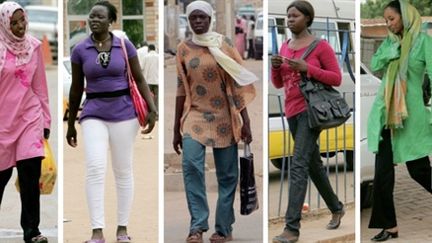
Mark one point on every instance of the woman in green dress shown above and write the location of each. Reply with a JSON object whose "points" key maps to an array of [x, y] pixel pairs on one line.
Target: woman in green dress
{"points": [[399, 125]]}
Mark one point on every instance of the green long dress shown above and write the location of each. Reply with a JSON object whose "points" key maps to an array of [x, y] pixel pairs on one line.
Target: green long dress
{"points": [[414, 140]]}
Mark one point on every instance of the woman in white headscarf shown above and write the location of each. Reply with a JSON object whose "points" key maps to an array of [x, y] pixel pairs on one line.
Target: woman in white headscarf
{"points": [[212, 93]]}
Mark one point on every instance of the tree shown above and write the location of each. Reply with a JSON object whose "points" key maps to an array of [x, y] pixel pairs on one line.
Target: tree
{"points": [[374, 8]]}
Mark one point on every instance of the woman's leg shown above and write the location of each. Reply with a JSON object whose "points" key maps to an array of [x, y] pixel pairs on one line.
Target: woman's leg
{"points": [[194, 182], [122, 136], [321, 181], [29, 171], [5, 175], [420, 170], [226, 162], [383, 210], [95, 136], [304, 149]]}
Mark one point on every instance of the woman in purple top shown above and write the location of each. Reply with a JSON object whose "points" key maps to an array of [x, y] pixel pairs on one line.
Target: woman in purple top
{"points": [[108, 117]]}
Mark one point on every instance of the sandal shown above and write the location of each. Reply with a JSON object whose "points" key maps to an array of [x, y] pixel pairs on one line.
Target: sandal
{"points": [[219, 238], [95, 241], [123, 239], [195, 237], [39, 239]]}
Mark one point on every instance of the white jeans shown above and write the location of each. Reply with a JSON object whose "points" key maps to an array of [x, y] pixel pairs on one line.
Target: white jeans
{"points": [[120, 136]]}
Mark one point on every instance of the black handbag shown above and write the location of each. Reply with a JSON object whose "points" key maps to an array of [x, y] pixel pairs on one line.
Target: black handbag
{"points": [[248, 192], [326, 107]]}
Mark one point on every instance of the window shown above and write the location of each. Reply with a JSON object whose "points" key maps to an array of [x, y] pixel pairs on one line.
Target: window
{"points": [[133, 20]]}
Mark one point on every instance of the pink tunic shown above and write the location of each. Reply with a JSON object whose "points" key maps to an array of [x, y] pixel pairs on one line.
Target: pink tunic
{"points": [[240, 38], [24, 109]]}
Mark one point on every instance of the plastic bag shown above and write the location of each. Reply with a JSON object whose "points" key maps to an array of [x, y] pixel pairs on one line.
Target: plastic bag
{"points": [[48, 171]]}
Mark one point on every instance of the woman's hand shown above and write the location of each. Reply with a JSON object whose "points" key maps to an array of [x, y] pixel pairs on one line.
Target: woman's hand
{"points": [[246, 134], [276, 61], [46, 133], [177, 142], [299, 65], [71, 136], [151, 122]]}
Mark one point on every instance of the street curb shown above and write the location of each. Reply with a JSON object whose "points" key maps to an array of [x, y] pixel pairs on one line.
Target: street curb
{"points": [[340, 239], [317, 214]]}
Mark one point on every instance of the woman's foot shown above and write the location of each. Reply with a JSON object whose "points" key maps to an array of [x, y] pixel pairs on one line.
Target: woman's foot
{"points": [[97, 237], [122, 235], [286, 237], [219, 238], [336, 219], [195, 237], [39, 239], [386, 234]]}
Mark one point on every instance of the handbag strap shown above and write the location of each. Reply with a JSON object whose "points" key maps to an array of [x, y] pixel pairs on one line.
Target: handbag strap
{"points": [[310, 48], [129, 72]]}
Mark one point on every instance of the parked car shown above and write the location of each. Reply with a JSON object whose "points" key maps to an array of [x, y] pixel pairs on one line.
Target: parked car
{"points": [[67, 82], [259, 36], [369, 85], [43, 21]]}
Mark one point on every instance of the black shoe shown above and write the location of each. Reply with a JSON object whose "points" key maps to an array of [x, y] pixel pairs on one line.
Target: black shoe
{"points": [[336, 220], [385, 235]]}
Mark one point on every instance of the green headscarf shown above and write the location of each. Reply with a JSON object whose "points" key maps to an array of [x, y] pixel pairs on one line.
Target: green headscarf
{"points": [[396, 76]]}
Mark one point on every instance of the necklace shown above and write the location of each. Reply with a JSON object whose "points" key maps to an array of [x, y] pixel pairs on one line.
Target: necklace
{"points": [[100, 42]]}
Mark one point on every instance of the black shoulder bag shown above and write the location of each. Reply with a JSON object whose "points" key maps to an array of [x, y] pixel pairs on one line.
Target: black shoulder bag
{"points": [[326, 107]]}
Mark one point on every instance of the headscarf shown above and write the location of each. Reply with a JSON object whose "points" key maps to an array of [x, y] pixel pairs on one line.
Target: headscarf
{"points": [[22, 47], [396, 76], [213, 41]]}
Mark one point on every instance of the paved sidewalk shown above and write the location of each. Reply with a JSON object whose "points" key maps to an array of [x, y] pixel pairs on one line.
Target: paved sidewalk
{"points": [[313, 227], [246, 228], [413, 211], [143, 222]]}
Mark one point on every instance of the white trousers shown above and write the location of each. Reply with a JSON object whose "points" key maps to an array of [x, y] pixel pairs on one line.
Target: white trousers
{"points": [[119, 136]]}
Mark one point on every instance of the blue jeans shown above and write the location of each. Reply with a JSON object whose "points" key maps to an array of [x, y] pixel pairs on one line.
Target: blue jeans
{"points": [[306, 162], [226, 162]]}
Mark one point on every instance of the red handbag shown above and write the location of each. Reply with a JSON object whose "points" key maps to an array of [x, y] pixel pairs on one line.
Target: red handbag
{"points": [[141, 107]]}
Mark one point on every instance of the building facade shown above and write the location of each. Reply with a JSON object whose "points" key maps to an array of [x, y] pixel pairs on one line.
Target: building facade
{"points": [[138, 19]]}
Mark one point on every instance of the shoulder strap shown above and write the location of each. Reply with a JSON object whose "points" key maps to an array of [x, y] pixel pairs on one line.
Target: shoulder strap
{"points": [[125, 55], [310, 48]]}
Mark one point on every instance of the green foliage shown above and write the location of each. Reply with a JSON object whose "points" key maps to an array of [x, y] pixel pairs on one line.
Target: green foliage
{"points": [[374, 9], [80, 7]]}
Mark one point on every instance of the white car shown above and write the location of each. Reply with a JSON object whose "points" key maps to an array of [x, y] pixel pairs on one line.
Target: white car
{"points": [[369, 85], [43, 21], [67, 82]]}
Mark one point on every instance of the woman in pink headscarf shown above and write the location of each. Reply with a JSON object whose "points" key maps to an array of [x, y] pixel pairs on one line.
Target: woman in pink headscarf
{"points": [[24, 114], [240, 35]]}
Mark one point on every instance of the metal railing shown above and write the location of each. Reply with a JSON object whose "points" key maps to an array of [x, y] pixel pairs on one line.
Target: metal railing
{"points": [[340, 167]]}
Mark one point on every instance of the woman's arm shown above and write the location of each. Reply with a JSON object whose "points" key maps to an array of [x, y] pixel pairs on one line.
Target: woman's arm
{"points": [[39, 87], [246, 134], [180, 100], [330, 72], [75, 96], [177, 139], [386, 52], [145, 92]]}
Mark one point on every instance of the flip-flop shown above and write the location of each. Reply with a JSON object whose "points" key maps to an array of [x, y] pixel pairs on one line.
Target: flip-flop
{"points": [[39, 239], [195, 237], [218, 238], [123, 239], [95, 241]]}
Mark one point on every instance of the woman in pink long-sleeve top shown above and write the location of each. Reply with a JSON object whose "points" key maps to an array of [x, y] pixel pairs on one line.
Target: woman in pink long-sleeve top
{"points": [[24, 113], [321, 64]]}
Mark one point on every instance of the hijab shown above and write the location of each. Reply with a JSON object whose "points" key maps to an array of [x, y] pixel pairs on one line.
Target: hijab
{"points": [[21, 47], [213, 41], [396, 74]]}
